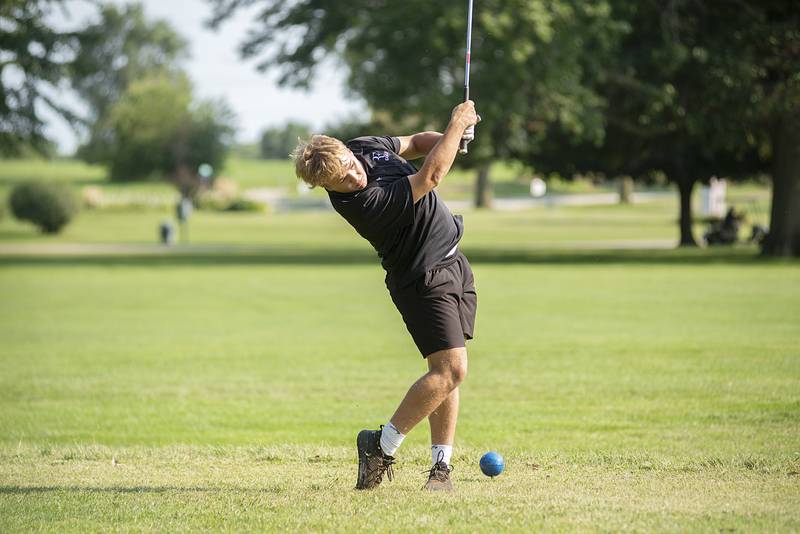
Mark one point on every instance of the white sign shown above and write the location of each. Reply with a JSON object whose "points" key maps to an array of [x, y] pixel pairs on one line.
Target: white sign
{"points": [[712, 198], [538, 187]]}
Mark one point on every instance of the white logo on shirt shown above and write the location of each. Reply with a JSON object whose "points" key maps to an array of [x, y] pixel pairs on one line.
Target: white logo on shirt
{"points": [[378, 156]]}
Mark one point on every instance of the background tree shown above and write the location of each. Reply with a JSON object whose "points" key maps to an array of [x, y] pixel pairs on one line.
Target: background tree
{"points": [[144, 124], [98, 61], [708, 88], [278, 143], [210, 134], [204, 137], [377, 123], [156, 131], [682, 87], [669, 109], [532, 68], [34, 61], [767, 50], [120, 47]]}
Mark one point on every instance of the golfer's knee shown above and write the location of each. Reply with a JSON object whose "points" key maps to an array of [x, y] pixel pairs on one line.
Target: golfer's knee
{"points": [[458, 372], [450, 365]]}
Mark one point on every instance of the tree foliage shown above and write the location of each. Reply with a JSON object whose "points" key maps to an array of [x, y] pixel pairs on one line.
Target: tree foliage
{"points": [[120, 47], [157, 131], [629, 87], [34, 62], [39, 62], [768, 48], [703, 88], [208, 135], [529, 72], [144, 124], [669, 107], [278, 143], [142, 119]]}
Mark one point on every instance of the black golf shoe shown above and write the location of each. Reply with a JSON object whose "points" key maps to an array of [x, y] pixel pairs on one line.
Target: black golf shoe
{"points": [[372, 462]]}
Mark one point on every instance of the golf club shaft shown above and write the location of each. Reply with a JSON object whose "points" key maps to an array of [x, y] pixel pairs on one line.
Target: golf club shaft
{"points": [[463, 148]]}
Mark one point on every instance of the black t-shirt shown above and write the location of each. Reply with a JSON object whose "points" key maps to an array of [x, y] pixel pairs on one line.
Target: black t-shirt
{"points": [[410, 238]]}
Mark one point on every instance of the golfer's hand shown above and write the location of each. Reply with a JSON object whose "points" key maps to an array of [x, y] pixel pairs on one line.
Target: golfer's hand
{"points": [[469, 134], [465, 115]]}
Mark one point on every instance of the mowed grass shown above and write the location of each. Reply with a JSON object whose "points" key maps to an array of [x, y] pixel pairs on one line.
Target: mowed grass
{"points": [[562, 226], [627, 391], [326, 230], [508, 180], [221, 388], [140, 207]]}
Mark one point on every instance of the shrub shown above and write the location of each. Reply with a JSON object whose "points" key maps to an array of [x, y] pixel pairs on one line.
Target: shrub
{"points": [[243, 204], [48, 206]]}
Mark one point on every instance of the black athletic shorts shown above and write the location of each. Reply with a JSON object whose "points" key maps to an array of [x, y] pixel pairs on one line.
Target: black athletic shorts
{"points": [[439, 307]]}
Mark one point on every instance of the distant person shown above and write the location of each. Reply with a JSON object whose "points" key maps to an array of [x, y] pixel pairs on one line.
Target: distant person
{"points": [[729, 229], [394, 206]]}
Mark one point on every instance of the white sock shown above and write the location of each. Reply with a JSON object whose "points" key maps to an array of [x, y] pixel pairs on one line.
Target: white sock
{"points": [[391, 438], [441, 453]]}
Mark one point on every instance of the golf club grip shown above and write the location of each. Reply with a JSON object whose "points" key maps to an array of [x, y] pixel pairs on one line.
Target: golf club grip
{"points": [[463, 148]]}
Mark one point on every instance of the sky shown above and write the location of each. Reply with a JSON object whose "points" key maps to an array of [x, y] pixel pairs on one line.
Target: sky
{"points": [[217, 71]]}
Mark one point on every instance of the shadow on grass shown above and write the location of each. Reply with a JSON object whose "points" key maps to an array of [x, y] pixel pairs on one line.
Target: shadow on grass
{"points": [[735, 256], [29, 490]]}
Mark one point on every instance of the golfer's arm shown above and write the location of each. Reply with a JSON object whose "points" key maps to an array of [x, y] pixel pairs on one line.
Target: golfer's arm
{"points": [[438, 162], [418, 145]]}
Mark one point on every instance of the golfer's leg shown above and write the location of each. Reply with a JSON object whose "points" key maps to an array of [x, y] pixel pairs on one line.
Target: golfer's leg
{"points": [[443, 420], [446, 370]]}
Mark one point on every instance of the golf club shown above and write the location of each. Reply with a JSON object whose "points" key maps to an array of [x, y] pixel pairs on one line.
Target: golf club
{"points": [[469, 133]]}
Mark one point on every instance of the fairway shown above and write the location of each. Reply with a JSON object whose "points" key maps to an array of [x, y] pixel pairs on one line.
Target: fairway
{"points": [[626, 391]]}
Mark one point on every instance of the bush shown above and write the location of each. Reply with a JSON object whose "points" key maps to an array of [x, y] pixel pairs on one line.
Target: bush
{"points": [[243, 204], [48, 206]]}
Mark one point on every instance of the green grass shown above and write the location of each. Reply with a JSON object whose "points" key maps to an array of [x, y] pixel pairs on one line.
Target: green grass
{"points": [[325, 229], [653, 391], [499, 230], [508, 180], [302, 489], [69, 171], [79, 176], [218, 386], [253, 173]]}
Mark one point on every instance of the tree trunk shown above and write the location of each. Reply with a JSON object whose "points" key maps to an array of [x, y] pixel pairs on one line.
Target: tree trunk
{"points": [[626, 190], [685, 188], [483, 189], [783, 238]]}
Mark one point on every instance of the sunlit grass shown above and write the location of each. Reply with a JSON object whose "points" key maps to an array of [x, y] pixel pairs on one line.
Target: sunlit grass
{"points": [[248, 173], [640, 392]]}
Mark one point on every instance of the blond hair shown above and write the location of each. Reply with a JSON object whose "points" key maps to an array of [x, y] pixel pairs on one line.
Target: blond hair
{"points": [[319, 160]]}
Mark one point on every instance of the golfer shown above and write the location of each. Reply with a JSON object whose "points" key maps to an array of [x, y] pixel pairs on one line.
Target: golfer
{"points": [[395, 207]]}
